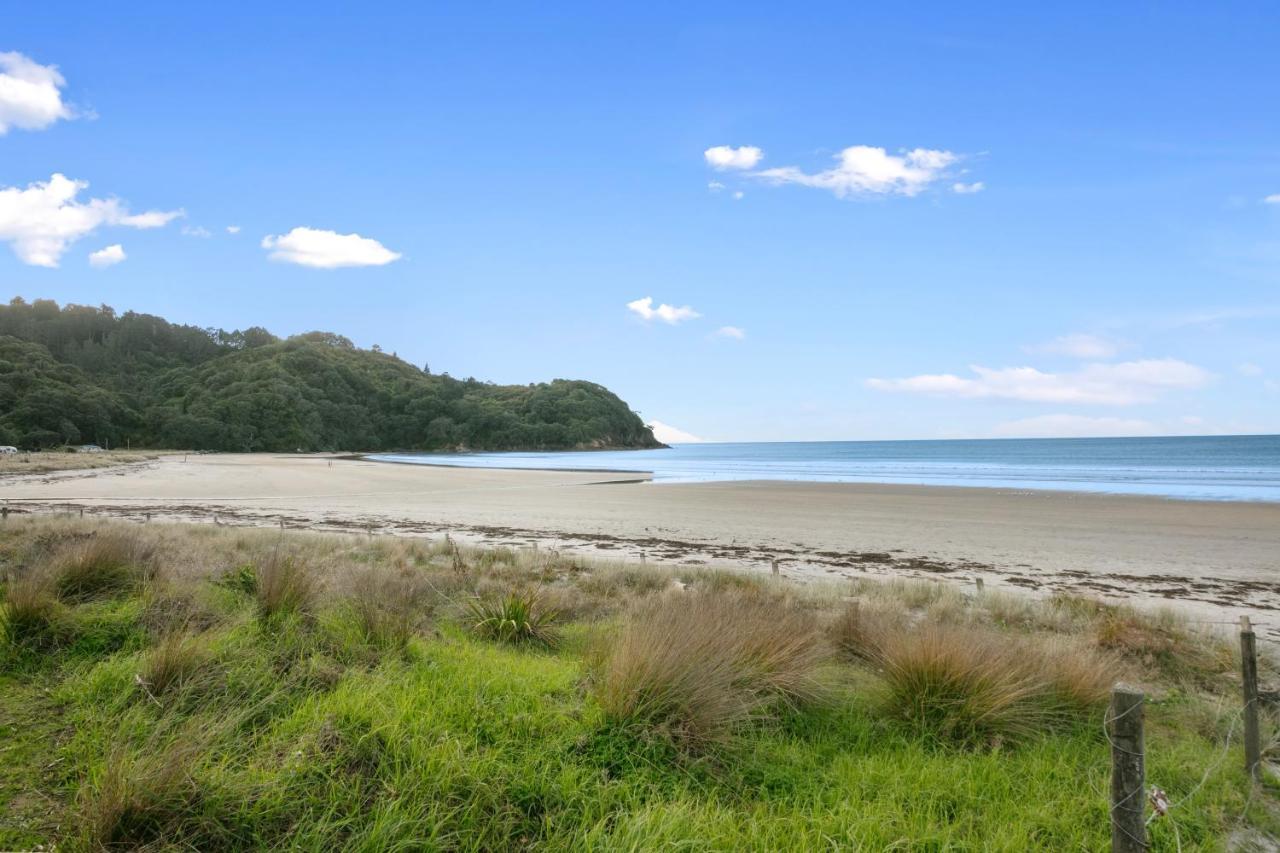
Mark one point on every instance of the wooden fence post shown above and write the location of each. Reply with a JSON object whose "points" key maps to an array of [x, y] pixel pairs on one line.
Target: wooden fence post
{"points": [[1249, 677], [774, 565], [979, 584], [1128, 783]]}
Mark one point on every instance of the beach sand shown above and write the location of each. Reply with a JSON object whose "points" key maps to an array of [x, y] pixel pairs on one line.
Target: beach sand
{"points": [[1217, 559]]}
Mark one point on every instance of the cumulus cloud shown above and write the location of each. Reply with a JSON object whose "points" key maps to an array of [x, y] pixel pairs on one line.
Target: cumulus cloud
{"points": [[866, 170], [668, 434], [108, 257], [968, 189], [731, 332], [715, 186], [643, 308], [233, 229], [42, 220], [1249, 369], [739, 195], [1119, 384], [313, 247], [1082, 346], [725, 157], [1074, 426], [30, 94], [1274, 198], [196, 231]]}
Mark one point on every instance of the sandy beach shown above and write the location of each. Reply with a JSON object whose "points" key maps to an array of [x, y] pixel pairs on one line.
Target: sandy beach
{"points": [[1218, 559]]}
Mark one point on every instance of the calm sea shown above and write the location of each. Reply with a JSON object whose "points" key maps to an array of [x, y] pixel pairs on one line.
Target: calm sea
{"points": [[1238, 467]]}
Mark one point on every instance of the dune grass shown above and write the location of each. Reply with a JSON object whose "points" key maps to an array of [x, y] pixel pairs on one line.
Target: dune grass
{"points": [[690, 709]]}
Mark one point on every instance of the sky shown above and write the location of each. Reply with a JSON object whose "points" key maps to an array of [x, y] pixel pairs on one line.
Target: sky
{"points": [[822, 221]]}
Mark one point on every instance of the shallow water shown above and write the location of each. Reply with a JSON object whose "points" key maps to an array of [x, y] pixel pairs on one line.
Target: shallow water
{"points": [[1238, 467]]}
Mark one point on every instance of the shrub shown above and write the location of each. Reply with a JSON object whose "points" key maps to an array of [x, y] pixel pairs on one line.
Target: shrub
{"points": [[284, 585], [693, 666], [30, 616], [174, 663], [108, 563], [518, 617]]}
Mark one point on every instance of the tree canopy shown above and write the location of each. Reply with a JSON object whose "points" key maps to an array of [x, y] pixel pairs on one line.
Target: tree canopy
{"points": [[77, 373]]}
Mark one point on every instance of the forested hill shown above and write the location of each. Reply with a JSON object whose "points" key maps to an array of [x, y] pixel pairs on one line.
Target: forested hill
{"points": [[79, 374]]}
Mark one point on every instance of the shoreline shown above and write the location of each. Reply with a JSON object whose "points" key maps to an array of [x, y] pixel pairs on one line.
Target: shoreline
{"points": [[1212, 558]]}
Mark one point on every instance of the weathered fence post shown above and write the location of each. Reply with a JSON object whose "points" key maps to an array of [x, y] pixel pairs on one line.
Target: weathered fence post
{"points": [[1249, 677], [1128, 795], [774, 566], [978, 582]]}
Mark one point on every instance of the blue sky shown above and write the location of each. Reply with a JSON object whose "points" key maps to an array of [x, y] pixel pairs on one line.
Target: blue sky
{"points": [[490, 186]]}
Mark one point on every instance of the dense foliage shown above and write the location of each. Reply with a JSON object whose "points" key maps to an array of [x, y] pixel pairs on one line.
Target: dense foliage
{"points": [[82, 374]]}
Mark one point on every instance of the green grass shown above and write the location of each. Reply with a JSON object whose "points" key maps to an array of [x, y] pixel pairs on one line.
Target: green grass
{"points": [[304, 731]]}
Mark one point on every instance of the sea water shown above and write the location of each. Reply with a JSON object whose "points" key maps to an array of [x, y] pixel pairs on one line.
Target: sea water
{"points": [[1237, 467]]}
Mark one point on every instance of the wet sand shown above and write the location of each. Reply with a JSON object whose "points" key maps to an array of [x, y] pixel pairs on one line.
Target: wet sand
{"points": [[1218, 559]]}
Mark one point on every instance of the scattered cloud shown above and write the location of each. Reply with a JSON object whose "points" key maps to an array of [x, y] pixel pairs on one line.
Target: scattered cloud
{"points": [[30, 94], [1274, 198], [643, 308], [1119, 384], [968, 189], [108, 257], [1249, 369], [866, 170], [668, 434], [1074, 426], [313, 247], [739, 195], [715, 186], [1082, 346], [233, 229], [725, 157], [42, 220], [196, 231], [731, 332]]}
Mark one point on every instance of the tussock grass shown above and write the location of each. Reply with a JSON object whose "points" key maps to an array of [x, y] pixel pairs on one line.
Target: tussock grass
{"points": [[284, 585], [389, 606], [111, 562], [30, 615], [177, 661], [694, 666], [518, 617]]}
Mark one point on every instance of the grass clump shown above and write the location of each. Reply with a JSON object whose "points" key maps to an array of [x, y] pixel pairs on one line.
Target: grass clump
{"points": [[138, 798], [177, 661], [109, 562], [517, 617], [388, 608], [30, 616], [694, 666], [284, 585]]}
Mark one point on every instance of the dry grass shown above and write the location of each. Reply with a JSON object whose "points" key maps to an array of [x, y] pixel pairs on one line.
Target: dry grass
{"points": [[284, 585], [30, 615], [858, 629], [138, 798], [110, 562], [389, 607], [177, 661], [693, 666], [45, 461]]}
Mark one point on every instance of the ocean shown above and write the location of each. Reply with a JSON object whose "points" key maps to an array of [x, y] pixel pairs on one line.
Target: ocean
{"points": [[1237, 467]]}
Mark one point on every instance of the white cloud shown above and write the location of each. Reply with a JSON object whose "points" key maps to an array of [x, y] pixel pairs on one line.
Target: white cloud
{"points": [[1082, 346], [30, 96], [731, 332], [108, 257], [1104, 384], [196, 231], [42, 220], [738, 195], [668, 434], [724, 157], [312, 247], [968, 189], [1074, 426], [1248, 369], [1274, 198], [643, 308], [715, 186], [233, 229], [863, 169]]}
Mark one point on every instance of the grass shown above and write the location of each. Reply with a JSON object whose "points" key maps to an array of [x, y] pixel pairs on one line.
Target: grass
{"points": [[739, 714], [518, 617], [44, 462]]}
